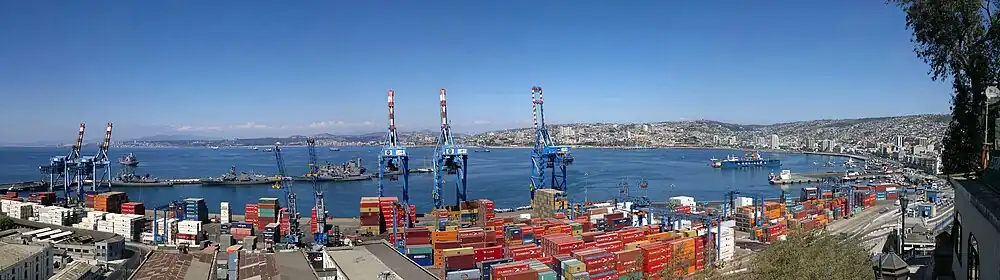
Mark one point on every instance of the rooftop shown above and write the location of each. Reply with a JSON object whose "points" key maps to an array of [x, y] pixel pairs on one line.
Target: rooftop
{"points": [[983, 194], [170, 266], [365, 262], [75, 270], [14, 253]]}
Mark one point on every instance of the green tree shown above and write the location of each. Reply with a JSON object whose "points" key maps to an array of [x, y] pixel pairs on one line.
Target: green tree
{"points": [[809, 256], [956, 38], [6, 223]]}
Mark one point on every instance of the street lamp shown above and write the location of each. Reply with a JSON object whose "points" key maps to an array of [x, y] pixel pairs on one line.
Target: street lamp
{"points": [[903, 202], [992, 94]]}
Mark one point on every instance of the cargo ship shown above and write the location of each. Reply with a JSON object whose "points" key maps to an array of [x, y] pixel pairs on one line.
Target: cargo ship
{"points": [[241, 178], [750, 159]]}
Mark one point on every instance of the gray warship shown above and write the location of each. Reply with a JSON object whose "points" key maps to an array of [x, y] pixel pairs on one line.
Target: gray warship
{"points": [[239, 178], [352, 170], [127, 177]]}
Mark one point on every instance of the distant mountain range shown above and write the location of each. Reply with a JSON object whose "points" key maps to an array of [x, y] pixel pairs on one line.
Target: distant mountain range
{"points": [[179, 137]]}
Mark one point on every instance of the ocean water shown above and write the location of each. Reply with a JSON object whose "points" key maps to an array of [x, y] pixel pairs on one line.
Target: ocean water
{"points": [[502, 175]]}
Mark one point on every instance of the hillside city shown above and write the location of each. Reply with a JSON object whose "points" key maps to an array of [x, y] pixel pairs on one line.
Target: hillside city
{"points": [[912, 139]]}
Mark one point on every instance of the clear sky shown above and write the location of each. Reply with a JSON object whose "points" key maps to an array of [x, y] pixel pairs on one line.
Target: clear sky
{"points": [[274, 68]]}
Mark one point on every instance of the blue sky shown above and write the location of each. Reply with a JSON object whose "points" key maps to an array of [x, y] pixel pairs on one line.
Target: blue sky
{"points": [[263, 68]]}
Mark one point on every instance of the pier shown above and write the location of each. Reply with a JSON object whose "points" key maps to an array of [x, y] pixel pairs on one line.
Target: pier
{"points": [[836, 155], [820, 177]]}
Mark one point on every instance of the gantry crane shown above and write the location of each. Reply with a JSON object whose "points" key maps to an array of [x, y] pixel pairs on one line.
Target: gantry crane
{"points": [[63, 168], [282, 181], [729, 205], [320, 234], [393, 161], [159, 238], [449, 158], [546, 154], [101, 161]]}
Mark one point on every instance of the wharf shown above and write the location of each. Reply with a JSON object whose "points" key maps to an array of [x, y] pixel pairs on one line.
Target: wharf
{"points": [[820, 177], [26, 186], [836, 155]]}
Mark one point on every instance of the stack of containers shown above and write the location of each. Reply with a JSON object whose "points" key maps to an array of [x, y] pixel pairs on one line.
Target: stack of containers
{"points": [[110, 202], [683, 256], [272, 233], [90, 221], [55, 215], [443, 240], [625, 263], [513, 270], [90, 199], [559, 244], [43, 198], [524, 252], [195, 209], [267, 212], [285, 221], [241, 230], [600, 264], [128, 225], [226, 215], [572, 268], [106, 225], [386, 207], [136, 208], [168, 228], [486, 208], [369, 215], [313, 224], [250, 216], [458, 259], [655, 257], [16, 209], [546, 202], [188, 232], [233, 261], [418, 246], [727, 248]]}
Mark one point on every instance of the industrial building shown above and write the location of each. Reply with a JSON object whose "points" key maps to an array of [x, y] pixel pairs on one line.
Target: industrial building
{"points": [[75, 242], [23, 262], [78, 270], [371, 260], [976, 230]]}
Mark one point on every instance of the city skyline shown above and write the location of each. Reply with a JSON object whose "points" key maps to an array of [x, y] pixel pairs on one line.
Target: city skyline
{"points": [[270, 69]]}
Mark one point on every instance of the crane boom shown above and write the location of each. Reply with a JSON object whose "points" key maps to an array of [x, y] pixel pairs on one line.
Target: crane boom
{"points": [[282, 182], [319, 234]]}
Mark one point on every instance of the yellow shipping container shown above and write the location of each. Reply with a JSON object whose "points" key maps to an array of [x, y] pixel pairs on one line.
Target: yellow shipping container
{"points": [[369, 198], [577, 232], [370, 210], [575, 267], [636, 244], [451, 228], [368, 229], [457, 251]]}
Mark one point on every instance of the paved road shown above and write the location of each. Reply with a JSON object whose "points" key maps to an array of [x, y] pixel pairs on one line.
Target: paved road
{"points": [[138, 253]]}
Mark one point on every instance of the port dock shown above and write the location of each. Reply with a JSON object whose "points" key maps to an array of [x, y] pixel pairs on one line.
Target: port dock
{"points": [[820, 177]]}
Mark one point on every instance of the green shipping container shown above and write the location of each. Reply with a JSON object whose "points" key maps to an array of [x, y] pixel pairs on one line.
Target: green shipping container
{"points": [[268, 200], [631, 276], [416, 249], [548, 275], [266, 213]]}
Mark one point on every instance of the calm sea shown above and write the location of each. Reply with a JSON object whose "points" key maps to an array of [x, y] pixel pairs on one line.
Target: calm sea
{"points": [[501, 175]]}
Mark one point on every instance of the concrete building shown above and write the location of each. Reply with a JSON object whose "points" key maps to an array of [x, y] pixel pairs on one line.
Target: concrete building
{"points": [[775, 142], [976, 230], [25, 262], [732, 140]]}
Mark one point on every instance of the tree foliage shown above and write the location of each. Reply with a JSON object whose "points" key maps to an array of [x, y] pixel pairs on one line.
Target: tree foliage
{"points": [[6, 223], [957, 39], [805, 256]]}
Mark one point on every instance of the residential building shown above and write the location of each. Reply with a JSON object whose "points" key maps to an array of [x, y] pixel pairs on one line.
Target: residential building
{"points": [[775, 142], [976, 229], [25, 262]]}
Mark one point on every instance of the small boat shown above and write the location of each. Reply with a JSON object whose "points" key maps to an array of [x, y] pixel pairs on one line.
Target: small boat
{"points": [[269, 150], [254, 148], [214, 147], [334, 149]]}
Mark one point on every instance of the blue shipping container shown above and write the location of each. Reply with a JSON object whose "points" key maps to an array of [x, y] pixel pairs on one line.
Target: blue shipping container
{"points": [[463, 274], [486, 267], [241, 225]]}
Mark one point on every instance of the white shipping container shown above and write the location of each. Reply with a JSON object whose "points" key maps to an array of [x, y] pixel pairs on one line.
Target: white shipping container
{"points": [[683, 201], [743, 201]]}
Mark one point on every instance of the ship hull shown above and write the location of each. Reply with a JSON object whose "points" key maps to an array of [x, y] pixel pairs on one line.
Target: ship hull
{"points": [[335, 179], [750, 163], [235, 183], [142, 184]]}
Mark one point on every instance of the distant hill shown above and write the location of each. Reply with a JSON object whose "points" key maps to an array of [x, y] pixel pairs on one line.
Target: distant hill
{"points": [[178, 137]]}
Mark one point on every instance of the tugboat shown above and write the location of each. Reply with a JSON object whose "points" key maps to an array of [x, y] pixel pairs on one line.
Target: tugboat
{"points": [[127, 177], [241, 178], [750, 159]]}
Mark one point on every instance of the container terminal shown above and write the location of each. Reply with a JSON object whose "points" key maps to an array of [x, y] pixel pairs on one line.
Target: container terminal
{"points": [[552, 238]]}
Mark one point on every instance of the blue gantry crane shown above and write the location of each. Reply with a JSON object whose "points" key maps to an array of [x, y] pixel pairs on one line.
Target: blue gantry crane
{"points": [[172, 206], [638, 199], [285, 183], [392, 162], [449, 158], [63, 168], [320, 234], [546, 155], [729, 204], [100, 163], [669, 216]]}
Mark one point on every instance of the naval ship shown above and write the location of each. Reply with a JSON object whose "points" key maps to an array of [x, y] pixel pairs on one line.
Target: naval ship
{"points": [[750, 159], [241, 178]]}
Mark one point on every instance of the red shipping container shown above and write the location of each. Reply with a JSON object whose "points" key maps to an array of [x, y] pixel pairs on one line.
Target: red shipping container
{"points": [[510, 269], [488, 253], [459, 262], [521, 275], [607, 238]]}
